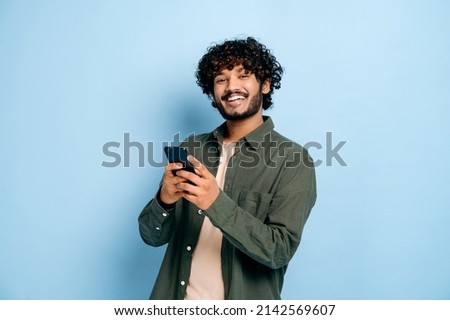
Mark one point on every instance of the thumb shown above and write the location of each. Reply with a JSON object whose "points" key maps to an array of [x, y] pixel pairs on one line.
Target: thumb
{"points": [[197, 164]]}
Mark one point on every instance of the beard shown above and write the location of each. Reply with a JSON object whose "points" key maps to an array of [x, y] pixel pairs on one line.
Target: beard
{"points": [[253, 108]]}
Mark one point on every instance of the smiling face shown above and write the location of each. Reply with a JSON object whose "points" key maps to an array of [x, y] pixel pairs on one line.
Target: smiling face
{"points": [[238, 94]]}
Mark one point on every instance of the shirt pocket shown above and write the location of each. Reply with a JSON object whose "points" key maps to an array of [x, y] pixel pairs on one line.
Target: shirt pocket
{"points": [[256, 203]]}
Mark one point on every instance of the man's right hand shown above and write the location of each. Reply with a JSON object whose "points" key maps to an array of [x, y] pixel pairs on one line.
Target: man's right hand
{"points": [[170, 193]]}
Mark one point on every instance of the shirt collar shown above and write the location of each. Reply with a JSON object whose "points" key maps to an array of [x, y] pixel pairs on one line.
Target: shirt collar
{"points": [[253, 138]]}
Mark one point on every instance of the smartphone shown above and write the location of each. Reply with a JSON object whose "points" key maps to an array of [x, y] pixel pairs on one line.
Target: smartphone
{"points": [[179, 154]]}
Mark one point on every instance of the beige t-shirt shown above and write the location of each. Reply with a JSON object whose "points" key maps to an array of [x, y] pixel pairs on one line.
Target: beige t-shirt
{"points": [[205, 281]]}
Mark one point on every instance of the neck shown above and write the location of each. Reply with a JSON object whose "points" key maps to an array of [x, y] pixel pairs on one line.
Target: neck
{"points": [[240, 128]]}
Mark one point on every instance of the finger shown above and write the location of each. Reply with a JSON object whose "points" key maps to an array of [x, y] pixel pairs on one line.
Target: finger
{"points": [[186, 175], [189, 197], [177, 180], [172, 178], [187, 187], [172, 167], [199, 167]]}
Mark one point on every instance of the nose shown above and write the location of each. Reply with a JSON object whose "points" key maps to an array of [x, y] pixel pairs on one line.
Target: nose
{"points": [[233, 83]]}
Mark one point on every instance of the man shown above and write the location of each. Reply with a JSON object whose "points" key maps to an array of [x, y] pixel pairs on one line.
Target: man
{"points": [[233, 225]]}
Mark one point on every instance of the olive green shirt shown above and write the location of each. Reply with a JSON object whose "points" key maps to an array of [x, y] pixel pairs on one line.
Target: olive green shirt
{"points": [[268, 194]]}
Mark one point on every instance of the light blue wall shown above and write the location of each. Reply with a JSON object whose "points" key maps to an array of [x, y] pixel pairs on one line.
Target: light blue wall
{"points": [[75, 75]]}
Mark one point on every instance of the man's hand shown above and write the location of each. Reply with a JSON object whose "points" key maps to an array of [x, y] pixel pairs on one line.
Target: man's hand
{"points": [[170, 193], [200, 188]]}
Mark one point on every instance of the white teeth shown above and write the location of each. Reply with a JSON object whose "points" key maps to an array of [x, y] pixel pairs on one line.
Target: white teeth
{"points": [[234, 98]]}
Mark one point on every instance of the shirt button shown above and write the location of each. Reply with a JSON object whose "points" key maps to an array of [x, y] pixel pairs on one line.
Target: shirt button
{"points": [[182, 283], [188, 248], [200, 211], [164, 214]]}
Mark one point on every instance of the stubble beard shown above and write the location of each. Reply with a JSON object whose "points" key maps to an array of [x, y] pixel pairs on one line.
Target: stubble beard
{"points": [[253, 108]]}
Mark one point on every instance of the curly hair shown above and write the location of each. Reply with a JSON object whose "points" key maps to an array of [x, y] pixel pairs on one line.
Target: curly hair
{"points": [[249, 53]]}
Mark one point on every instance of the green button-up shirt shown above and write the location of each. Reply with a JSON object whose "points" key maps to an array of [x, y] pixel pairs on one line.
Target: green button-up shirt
{"points": [[268, 194]]}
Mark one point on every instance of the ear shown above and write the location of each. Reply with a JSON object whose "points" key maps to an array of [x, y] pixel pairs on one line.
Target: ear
{"points": [[265, 87]]}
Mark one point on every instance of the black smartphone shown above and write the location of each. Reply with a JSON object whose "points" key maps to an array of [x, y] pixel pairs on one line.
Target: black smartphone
{"points": [[179, 154]]}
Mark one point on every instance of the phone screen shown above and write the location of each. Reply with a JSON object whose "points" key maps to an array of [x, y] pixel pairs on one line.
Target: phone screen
{"points": [[179, 154]]}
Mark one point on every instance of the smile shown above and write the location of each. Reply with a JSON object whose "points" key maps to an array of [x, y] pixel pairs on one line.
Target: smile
{"points": [[235, 98]]}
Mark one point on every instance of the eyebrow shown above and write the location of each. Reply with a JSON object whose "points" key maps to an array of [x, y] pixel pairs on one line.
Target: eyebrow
{"points": [[240, 69]]}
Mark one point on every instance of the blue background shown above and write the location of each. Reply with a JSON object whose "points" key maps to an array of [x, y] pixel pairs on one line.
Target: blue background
{"points": [[75, 75]]}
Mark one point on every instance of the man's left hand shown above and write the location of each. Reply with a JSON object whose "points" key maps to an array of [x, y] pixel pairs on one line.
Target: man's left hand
{"points": [[204, 188]]}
